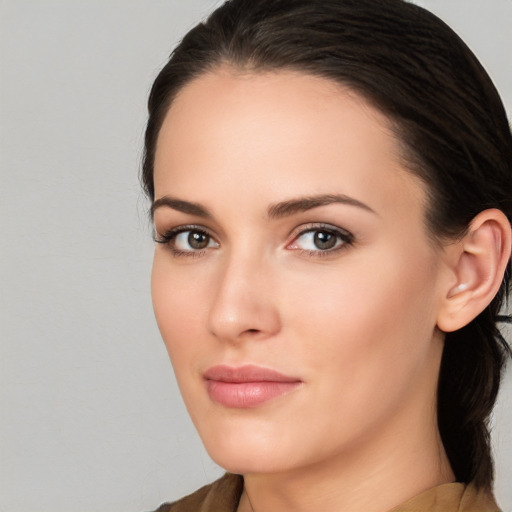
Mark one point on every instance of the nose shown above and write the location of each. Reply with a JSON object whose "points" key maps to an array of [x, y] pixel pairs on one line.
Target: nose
{"points": [[245, 302]]}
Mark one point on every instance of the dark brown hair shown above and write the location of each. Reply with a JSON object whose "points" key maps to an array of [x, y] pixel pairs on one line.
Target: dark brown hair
{"points": [[448, 117]]}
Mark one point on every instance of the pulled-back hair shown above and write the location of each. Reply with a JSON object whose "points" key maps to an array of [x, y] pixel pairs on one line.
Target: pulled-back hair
{"points": [[449, 120]]}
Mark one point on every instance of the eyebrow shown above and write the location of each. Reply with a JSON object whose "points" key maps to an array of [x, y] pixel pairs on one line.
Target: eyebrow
{"points": [[303, 204], [275, 211], [181, 206]]}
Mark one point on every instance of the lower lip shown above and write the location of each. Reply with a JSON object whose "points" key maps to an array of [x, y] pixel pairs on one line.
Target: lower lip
{"points": [[243, 395]]}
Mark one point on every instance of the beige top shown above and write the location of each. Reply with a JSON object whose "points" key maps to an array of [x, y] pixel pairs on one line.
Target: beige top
{"points": [[224, 494]]}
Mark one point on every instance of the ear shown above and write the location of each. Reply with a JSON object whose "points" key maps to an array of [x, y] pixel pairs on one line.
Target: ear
{"points": [[478, 262]]}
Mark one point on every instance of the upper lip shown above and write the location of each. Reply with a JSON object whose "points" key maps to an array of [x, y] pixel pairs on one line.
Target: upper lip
{"points": [[246, 373]]}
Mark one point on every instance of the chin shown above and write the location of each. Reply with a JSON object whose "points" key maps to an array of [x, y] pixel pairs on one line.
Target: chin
{"points": [[247, 463], [240, 451]]}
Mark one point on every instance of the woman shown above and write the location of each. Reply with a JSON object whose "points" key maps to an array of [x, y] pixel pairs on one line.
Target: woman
{"points": [[331, 187]]}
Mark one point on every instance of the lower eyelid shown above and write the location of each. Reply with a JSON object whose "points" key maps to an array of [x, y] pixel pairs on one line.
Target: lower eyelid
{"points": [[187, 254], [169, 238]]}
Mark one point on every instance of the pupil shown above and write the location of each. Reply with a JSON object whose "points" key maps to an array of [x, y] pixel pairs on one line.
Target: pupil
{"points": [[198, 240], [324, 240]]}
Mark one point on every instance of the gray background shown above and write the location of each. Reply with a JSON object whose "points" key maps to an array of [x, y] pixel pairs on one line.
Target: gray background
{"points": [[91, 419]]}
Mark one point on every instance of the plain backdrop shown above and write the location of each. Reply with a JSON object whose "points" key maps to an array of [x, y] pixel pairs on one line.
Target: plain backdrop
{"points": [[90, 416]]}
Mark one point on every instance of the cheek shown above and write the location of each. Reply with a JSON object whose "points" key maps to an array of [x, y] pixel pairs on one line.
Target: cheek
{"points": [[177, 308], [370, 321]]}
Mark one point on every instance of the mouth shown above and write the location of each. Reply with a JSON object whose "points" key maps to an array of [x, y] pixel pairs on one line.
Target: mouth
{"points": [[246, 386]]}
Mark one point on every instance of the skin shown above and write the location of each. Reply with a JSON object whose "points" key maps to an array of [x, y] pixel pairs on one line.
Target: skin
{"points": [[356, 325]]}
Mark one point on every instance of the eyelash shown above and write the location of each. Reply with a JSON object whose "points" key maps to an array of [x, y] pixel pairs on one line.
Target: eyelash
{"points": [[344, 239], [169, 237]]}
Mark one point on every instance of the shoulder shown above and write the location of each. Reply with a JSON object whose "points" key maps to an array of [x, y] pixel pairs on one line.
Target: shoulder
{"points": [[222, 495], [478, 500], [455, 497]]}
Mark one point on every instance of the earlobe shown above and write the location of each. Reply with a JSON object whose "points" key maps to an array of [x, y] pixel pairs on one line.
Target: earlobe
{"points": [[478, 264]]}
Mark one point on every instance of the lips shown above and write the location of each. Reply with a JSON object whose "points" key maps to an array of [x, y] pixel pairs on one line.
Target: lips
{"points": [[246, 386]]}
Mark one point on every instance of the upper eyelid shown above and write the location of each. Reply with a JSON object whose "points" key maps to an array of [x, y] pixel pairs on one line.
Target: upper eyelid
{"points": [[168, 238], [345, 236], [293, 235], [318, 226], [184, 227]]}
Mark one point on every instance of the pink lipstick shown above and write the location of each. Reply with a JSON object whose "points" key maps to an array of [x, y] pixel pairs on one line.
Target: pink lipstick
{"points": [[246, 386]]}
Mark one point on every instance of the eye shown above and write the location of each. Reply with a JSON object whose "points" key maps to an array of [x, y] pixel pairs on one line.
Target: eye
{"points": [[192, 240], [187, 240], [321, 239]]}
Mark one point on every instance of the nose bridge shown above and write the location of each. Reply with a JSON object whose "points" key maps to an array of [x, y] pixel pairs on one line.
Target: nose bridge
{"points": [[244, 303]]}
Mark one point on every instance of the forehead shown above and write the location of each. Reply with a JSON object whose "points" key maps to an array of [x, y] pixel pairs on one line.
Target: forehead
{"points": [[254, 133]]}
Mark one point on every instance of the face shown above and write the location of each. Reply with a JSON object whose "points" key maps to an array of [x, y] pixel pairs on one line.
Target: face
{"points": [[295, 285]]}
